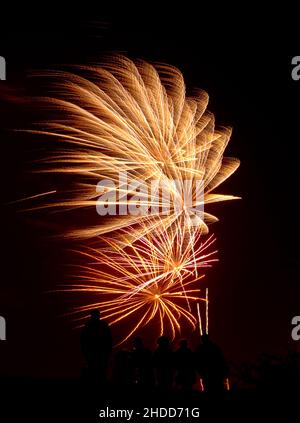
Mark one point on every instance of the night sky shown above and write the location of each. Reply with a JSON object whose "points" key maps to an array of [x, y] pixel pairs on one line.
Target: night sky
{"points": [[244, 63]]}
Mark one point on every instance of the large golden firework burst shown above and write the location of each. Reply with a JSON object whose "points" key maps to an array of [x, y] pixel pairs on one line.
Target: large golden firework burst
{"points": [[134, 118]]}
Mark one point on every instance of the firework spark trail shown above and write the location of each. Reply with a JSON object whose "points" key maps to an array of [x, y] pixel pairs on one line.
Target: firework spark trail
{"points": [[134, 118], [199, 320]]}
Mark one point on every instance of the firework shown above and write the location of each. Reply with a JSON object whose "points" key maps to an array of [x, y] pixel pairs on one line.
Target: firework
{"points": [[134, 118], [143, 282], [133, 146]]}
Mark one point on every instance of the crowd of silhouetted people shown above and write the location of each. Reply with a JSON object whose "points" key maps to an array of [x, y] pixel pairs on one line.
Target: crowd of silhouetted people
{"points": [[161, 369]]}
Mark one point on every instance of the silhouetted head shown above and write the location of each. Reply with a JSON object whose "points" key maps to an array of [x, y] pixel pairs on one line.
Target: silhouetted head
{"points": [[183, 344], [205, 338], [163, 341], [95, 314], [138, 343]]}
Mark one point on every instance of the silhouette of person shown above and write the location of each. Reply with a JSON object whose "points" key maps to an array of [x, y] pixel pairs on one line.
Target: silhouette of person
{"points": [[211, 366], [142, 364], [185, 366], [163, 363], [96, 345]]}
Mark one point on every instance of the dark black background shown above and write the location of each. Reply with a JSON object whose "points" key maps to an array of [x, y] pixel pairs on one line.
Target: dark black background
{"points": [[242, 58]]}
